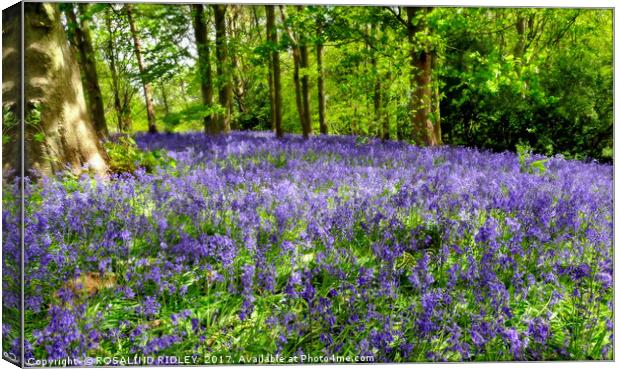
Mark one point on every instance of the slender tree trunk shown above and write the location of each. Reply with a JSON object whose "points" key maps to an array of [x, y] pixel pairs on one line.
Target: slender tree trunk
{"points": [[164, 98], [437, 113], [385, 131], [276, 102], [377, 100], [110, 52], [377, 94], [238, 85], [305, 86], [83, 43], [436, 105], [272, 97], [320, 77], [146, 87], [58, 128], [270, 27], [204, 63], [354, 123], [519, 48], [296, 80], [420, 80], [223, 73], [298, 93]]}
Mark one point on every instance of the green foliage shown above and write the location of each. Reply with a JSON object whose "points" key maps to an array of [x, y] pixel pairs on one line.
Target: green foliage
{"points": [[548, 85], [9, 124], [552, 91], [195, 112], [524, 152], [125, 156]]}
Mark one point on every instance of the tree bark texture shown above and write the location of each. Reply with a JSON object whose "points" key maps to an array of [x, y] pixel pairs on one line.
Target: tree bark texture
{"points": [[59, 133], [421, 59]]}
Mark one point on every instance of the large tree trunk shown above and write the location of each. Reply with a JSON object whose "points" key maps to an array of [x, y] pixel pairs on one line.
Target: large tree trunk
{"points": [[223, 72], [420, 79], [58, 129], [204, 63], [88, 64], [276, 100], [146, 86], [320, 77]]}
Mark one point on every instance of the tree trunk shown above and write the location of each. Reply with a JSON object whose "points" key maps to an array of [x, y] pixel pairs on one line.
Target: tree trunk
{"points": [[436, 113], [519, 48], [204, 63], [320, 77], [123, 113], [298, 93], [437, 123], [223, 73], [377, 94], [377, 101], [164, 98], [88, 64], [296, 80], [385, 131], [146, 87], [420, 80], [58, 129], [305, 87], [272, 97], [276, 96], [238, 84]]}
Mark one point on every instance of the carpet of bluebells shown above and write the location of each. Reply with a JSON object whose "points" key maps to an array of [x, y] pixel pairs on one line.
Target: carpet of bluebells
{"points": [[245, 245]]}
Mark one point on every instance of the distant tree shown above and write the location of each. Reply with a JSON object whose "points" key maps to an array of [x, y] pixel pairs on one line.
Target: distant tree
{"points": [[204, 63], [421, 77], [320, 74], [121, 88], [300, 61], [275, 84], [146, 86], [223, 119]]}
